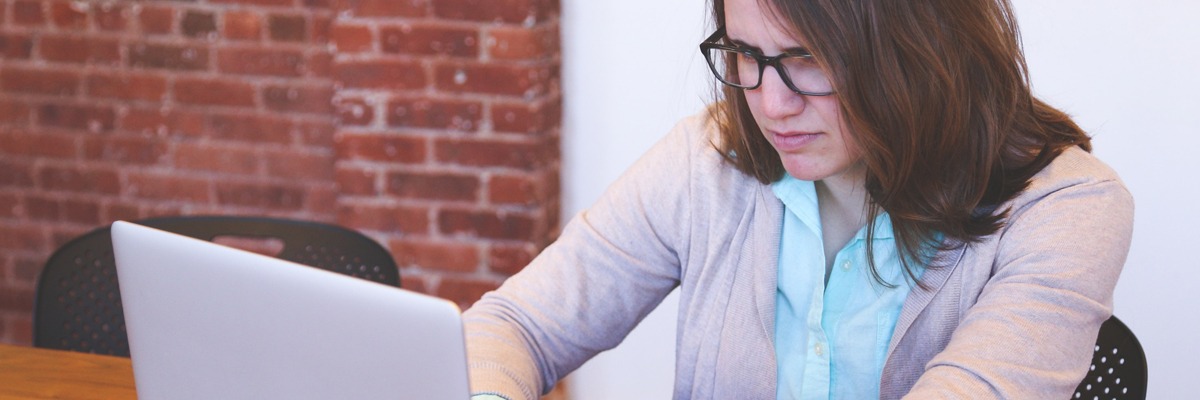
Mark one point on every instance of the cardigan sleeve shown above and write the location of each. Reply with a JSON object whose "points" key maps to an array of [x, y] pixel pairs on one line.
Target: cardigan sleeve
{"points": [[609, 268], [1031, 331]]}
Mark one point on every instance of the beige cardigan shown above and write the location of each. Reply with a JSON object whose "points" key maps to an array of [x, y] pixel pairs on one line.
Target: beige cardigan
{"points": [[1013, 316]]}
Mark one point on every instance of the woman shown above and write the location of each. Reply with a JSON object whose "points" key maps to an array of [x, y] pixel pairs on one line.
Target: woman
{"points": [[875, 207]]}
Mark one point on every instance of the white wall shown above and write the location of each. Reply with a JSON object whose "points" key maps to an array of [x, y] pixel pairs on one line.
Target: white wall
{"points": [[1126, 70]]}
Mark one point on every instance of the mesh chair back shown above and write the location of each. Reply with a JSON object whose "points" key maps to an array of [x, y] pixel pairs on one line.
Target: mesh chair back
{"points": [[1118, 369], [78, 301]]}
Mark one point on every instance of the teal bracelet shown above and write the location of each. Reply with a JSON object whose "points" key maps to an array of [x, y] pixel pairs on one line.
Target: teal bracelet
{"points": [[489, 396]]}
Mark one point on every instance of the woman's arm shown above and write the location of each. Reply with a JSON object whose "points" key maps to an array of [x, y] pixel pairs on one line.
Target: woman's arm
{"points": [[1030, 333], [610, 267]]}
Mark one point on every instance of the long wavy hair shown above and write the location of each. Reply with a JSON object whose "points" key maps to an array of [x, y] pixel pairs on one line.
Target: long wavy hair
{"points": [[936, 95]]}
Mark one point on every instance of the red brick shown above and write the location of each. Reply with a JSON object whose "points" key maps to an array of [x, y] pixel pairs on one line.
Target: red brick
{"points": [[383, 8], [323, 4], [321, 199], [80, 179], [301, 166], [464, 291], [274, 3], [385, 218], [487, 224], [430, 40], [41, 208], [527, 118], [198, 23], [321, 25], [156, 20], [26, 269], [40, 145], [15, 46], [15, 113], [16, 298], [28, 12], [159, 121], [167, 186], [446, 256], [261, 61], [81, 212], [368, 147], [512, 43], [261, 195], [288, 28], [490, 153], [119, 211], [311, 100], [354, 112], [110, 16], [380, 75], [187, 58], [213, 92], [501, 79], [442, 114], [89, 118], [203, 156], [127, 86], [61, 234], [416, 283], [351, 38], [355, 181], [242, 25], [515, 190], [510, 259], [15, 174], [79, 50], [126, 149], [20, 330], [152, 210], [433, 186], [319, 65], [314, 133], [251, 128], [505, 11], [40, 81], [67, 15], [10, 205]]}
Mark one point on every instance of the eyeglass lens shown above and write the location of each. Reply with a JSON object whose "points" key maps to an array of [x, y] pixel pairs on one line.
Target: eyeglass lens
{"points": [[802, 71]]}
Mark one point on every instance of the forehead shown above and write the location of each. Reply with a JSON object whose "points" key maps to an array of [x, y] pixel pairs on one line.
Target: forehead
{"points": [[756, 23]]}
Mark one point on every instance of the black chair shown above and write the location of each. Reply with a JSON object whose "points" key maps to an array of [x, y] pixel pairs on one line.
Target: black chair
{"points": [[1118, 368], [78, 304]]}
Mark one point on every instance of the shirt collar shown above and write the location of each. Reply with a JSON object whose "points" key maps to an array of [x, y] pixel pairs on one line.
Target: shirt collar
{"points": [[800, 198]]}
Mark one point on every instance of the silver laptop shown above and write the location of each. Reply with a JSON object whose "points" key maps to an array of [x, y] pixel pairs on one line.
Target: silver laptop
{"points": [[211, 322]]}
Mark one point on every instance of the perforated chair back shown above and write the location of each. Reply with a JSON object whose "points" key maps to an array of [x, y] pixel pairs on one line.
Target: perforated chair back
{"points": [[1118, 369], [78, 301]]}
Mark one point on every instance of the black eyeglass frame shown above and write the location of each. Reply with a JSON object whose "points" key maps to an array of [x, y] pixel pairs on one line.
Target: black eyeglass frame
{"points": [[713, 42]]}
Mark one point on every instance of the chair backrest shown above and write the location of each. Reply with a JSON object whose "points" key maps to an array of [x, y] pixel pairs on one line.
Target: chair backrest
{"points": [[1118, 369], [78, 302]]}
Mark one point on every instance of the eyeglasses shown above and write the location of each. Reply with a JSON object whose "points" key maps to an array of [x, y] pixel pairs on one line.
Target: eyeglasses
{"points": [[742, 67]]}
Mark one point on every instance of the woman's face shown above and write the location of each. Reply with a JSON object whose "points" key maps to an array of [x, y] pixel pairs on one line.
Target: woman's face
{"points": [[807, 131]]}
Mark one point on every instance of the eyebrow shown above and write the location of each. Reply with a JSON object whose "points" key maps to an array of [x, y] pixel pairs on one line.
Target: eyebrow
{"points": [[797, 50]]}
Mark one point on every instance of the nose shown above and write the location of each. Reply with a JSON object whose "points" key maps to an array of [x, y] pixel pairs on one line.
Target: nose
{"points": [[778, 100]]}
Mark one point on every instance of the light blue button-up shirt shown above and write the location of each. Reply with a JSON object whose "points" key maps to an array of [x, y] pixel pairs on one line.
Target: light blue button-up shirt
{"points": [[831, 339]]}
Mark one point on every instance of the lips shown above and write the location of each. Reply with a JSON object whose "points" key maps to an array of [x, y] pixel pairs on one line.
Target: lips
{"points": [[792, 140]]}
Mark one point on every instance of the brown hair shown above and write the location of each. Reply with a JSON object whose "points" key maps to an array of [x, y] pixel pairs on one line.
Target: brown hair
{"points": [[936, 95]]}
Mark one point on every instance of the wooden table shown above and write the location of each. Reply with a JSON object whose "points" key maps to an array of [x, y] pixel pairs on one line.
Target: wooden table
{"points": [[31, 373]]}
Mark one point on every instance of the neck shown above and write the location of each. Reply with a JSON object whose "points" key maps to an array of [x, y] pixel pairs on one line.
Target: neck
{"points": [[842, 201], [844, 197]]}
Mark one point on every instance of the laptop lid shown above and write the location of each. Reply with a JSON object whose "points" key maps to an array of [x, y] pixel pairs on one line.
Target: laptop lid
{"points": [[207, 321]]}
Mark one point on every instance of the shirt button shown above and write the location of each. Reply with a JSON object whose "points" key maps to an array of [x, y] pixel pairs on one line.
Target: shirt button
{"points": [[846, 265], [819, 350]]}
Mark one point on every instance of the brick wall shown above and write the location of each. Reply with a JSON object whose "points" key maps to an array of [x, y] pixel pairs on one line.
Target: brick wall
{"points": [[432, 125]]}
